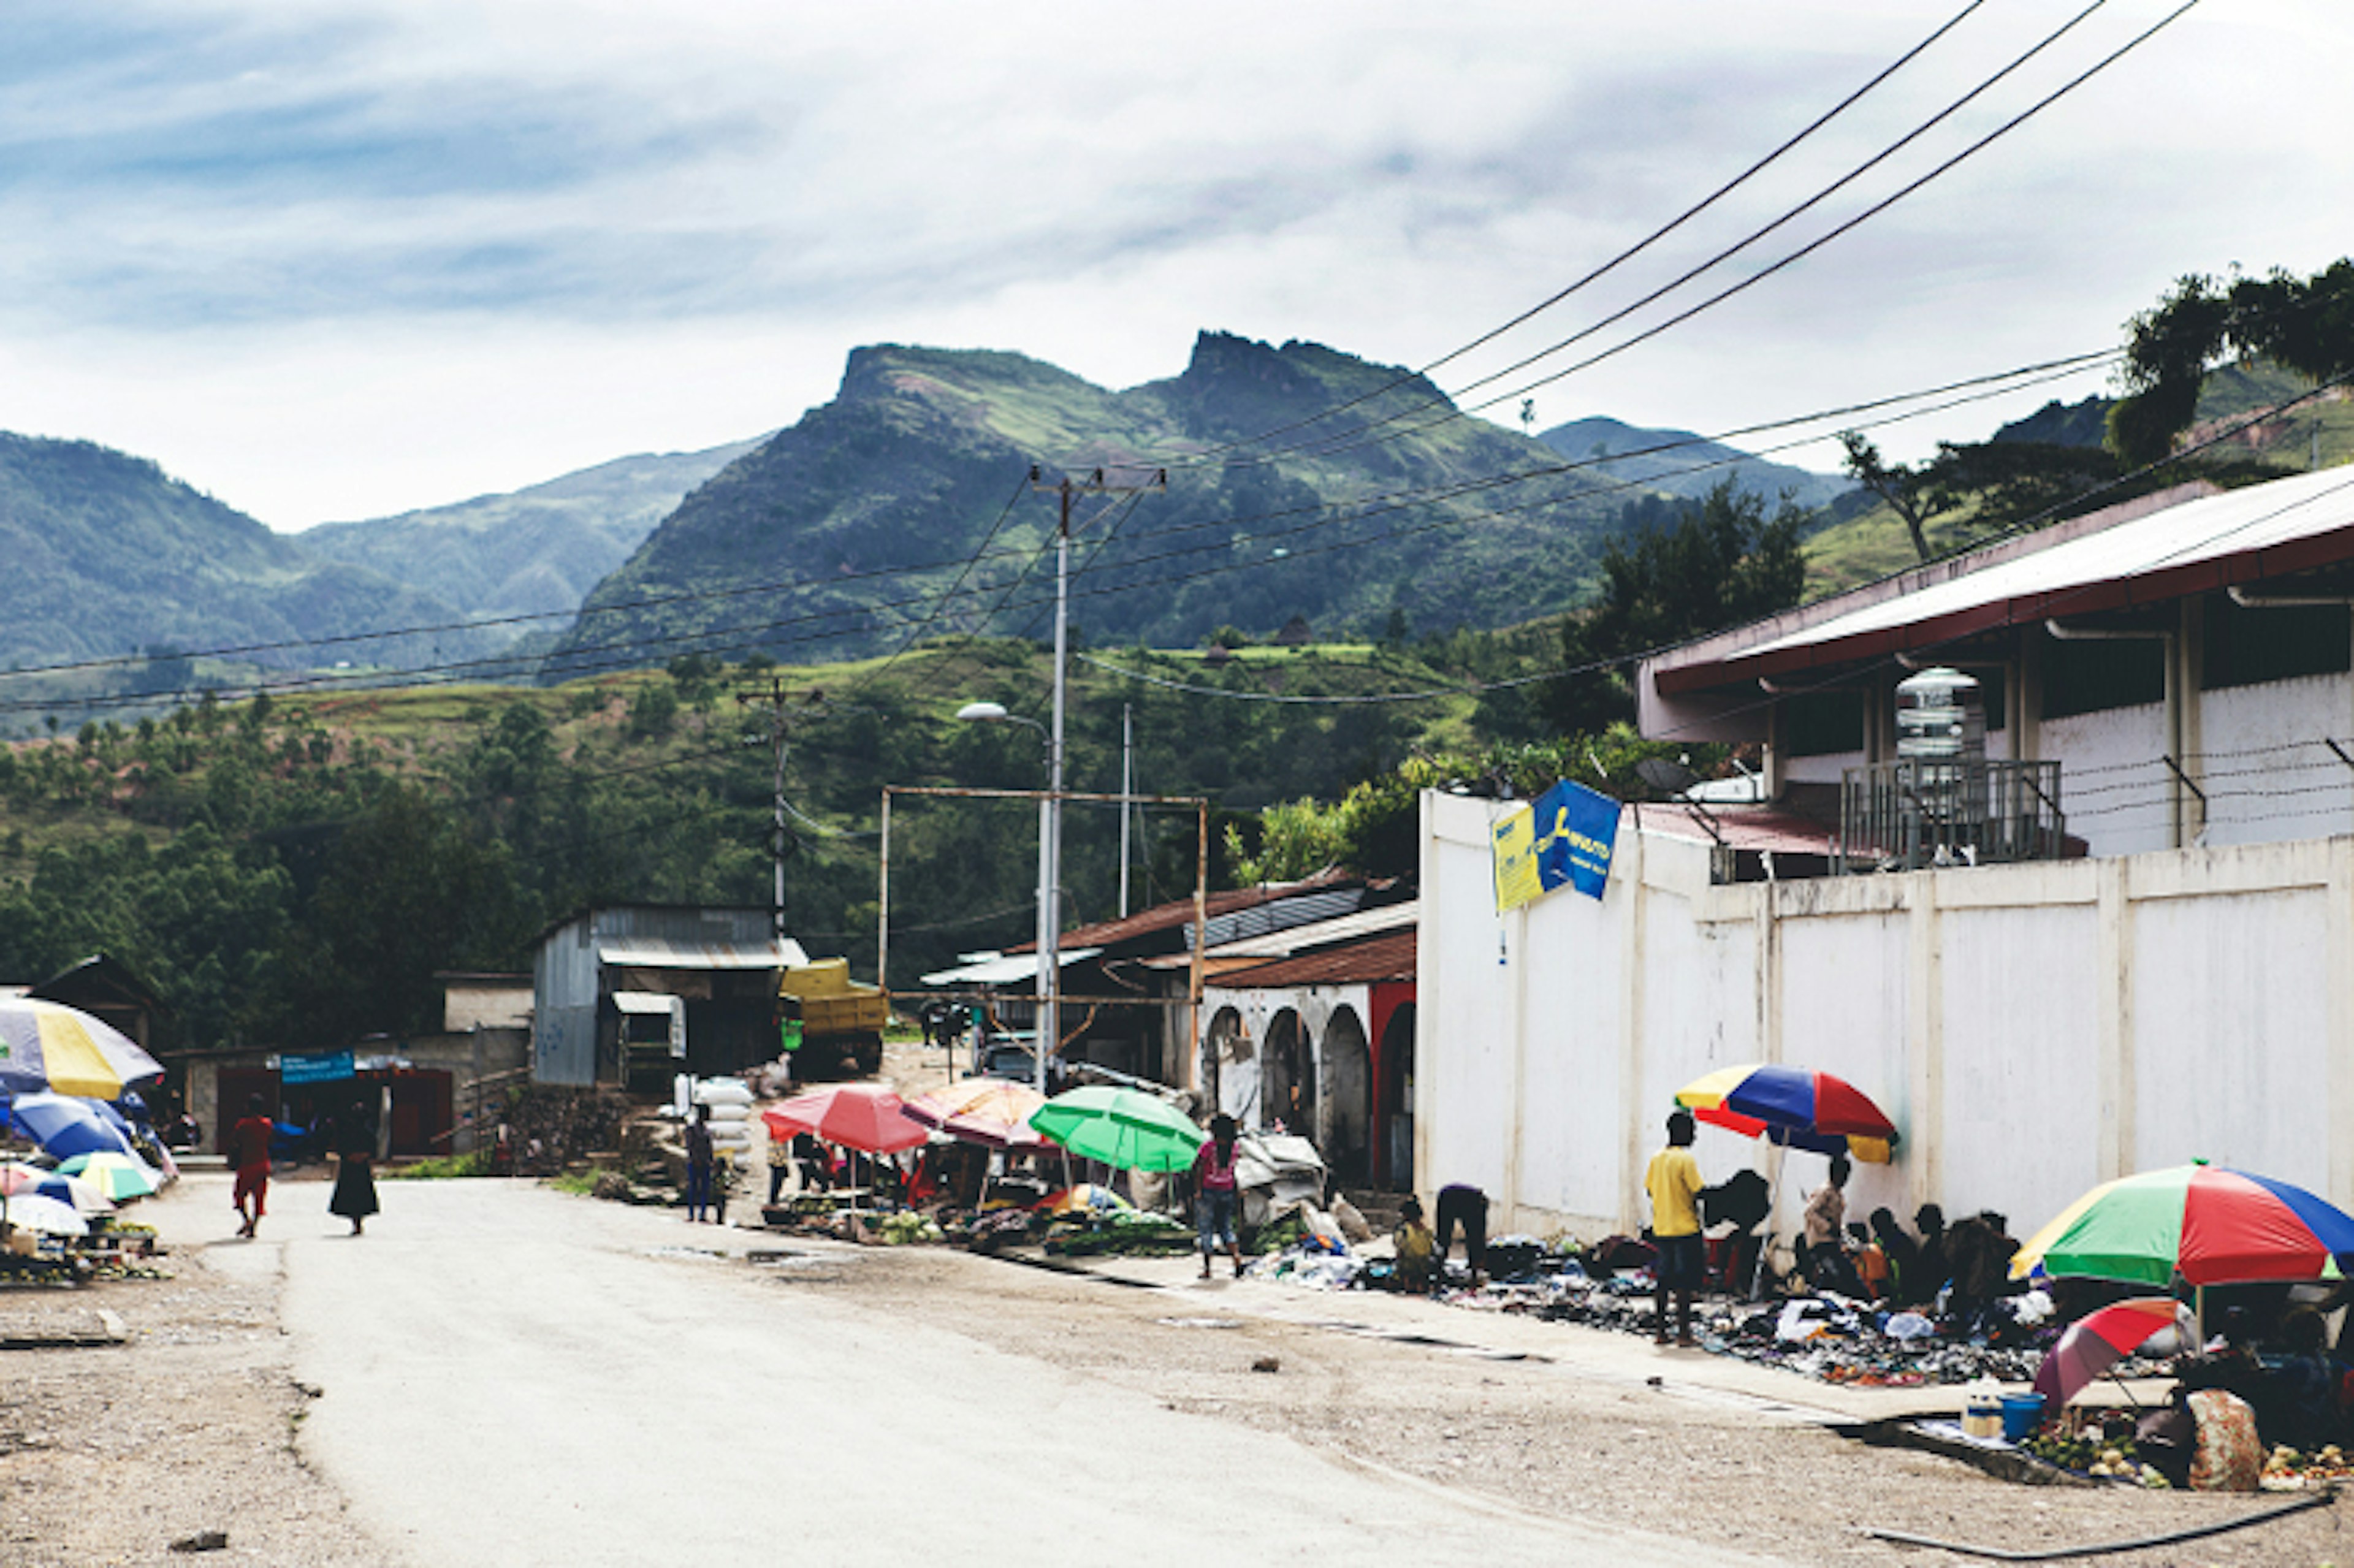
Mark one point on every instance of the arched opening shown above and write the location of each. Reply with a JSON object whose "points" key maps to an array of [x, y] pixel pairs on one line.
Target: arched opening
{"points": [[1287, 1075], [1346, 1135], [1397, 1100], [1229, 1074]]}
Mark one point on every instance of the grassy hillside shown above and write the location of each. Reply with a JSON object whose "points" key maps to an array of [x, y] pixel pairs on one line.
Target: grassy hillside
{"points": [[1873, 543]]}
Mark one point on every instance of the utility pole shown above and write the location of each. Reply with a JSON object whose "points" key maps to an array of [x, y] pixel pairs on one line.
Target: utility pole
{"points": [[780, 840], [1050, 809], [1127, 787]]}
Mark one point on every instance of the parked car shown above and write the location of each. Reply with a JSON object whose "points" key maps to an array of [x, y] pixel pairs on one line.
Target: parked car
{"points": [[1010, 1056]]}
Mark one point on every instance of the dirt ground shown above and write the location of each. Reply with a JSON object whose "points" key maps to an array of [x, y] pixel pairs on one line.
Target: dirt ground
{"points": [[111, 1454], [108, 1455]]}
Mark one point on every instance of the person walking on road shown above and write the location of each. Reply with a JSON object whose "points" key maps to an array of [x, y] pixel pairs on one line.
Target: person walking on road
{"points": [[1214, 1193], [698, 1164], [355, 1194], [1673, 1182], [248, 1155]]}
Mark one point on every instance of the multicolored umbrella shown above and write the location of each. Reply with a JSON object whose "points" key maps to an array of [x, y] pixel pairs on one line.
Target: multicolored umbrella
{"points": [[2211, 1226], [2099, 1341], [993, 1112], [864, 1116], [1125, 1129], [119, 1176], [49, 1047], [19, 1180], [66, 1126], [1792, 1106]]}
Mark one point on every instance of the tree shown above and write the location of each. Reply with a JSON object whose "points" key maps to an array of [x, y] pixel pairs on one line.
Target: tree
{"points": [[1903, 487], [1721, 563], [2302, 324]]}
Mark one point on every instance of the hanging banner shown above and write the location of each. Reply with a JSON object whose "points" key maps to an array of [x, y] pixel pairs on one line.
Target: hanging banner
{"points": [[1575, 830], [1514, 843]]}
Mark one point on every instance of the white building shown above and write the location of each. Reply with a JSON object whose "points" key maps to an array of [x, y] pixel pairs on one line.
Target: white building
{"points": [[2179, 986]]}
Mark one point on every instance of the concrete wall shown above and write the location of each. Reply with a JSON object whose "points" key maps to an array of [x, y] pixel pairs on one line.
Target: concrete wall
{"points": [[2031, 1029], [467, 1004]]}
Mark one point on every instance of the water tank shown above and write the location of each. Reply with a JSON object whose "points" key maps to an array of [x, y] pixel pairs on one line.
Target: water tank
{"points": [[1941, 717]]}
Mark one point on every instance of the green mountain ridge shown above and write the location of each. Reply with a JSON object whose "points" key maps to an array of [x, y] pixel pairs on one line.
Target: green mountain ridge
{"points": [[921, 460], [113, 557]]}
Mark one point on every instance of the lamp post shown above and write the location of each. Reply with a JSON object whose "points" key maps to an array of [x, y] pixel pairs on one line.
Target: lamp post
{"points": [[1050, 872]]}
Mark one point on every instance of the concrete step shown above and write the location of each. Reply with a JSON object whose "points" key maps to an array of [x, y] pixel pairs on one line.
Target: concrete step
{"points": [[1380, 1208]]}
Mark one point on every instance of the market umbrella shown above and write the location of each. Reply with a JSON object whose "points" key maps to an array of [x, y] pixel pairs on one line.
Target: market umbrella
{"points": [[20, 1180], [1793, 1107], [46, 1045], [119, 1176], [35, 1212], [1124, 1129], [66, 1125], [864, 1116], [2211, 1225], [993, 1112], [2099, 1341]]}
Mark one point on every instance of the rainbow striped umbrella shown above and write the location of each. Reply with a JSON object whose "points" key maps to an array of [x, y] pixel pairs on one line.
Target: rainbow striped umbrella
{"points": [[119, 1176], [46, 1045], [2211, 1226], [1792, 1106], [2097, 1341]]}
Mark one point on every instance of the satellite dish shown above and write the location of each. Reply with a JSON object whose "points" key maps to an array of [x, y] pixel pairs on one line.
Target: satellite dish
{"points": [[1668, 778]]}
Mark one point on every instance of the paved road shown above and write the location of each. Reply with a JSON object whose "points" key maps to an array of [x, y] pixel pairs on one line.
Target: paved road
{"points": [[513, 1376]]}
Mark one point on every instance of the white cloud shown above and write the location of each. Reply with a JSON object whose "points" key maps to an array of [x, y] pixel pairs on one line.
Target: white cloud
{"points": [[330, 261]]}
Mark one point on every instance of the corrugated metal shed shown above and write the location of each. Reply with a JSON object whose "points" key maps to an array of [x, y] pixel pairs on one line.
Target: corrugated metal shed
{"points": [[1178, 913]]}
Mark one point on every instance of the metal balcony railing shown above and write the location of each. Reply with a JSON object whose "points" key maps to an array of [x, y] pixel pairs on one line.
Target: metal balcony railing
{"points": [[1922, 811]]}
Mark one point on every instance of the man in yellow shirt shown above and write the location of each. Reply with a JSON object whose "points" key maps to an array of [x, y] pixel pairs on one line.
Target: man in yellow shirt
{"points": [[1673, 1182]]}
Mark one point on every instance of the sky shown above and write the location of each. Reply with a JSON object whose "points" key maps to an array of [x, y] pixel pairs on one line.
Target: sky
{"points": [[333, 260]]}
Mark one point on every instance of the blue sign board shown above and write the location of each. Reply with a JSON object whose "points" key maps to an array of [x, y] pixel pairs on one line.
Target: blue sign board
{"points": [[1576, 829], [322, 1067]]}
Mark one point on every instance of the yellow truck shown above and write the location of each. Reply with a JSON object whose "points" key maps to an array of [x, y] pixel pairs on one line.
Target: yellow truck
{"points": [[831, 1021]]}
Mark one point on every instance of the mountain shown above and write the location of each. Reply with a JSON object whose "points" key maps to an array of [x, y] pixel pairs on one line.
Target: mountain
{"points": [[1693, 468], [108, 555], [842, 534], [533, 551]]}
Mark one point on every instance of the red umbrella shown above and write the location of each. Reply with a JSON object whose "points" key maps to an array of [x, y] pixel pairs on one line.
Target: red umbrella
{"points": [[864, 1116], [2099, 1341]]}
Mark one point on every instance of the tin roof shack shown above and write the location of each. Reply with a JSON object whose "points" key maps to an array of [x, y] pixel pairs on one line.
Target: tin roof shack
{"points": [[110, 990], [721, 964]]}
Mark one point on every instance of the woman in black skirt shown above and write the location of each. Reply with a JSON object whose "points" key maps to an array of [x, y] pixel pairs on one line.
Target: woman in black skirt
{"points": [[354, 1197]]}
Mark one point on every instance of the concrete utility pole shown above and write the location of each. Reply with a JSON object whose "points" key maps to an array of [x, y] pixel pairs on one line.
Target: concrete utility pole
{"points": [[780, 734], [1050, 809]]}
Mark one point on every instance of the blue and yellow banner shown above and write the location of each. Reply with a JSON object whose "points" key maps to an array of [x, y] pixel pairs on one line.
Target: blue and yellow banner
{"points": [[1563, 839], [1576, 831]]}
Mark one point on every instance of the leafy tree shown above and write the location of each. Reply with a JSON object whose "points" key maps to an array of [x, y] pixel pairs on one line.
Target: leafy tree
{"points": [[2303, 324], [1721, 563], [2005, 483]]}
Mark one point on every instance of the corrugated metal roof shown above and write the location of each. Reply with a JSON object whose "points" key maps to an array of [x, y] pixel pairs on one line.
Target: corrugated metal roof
{"points": [[1281, 943], [1390, 957], [657, 953], [1179, 911], [1005, 970], [643, 1001], [1743, 827], [2239, 537]]}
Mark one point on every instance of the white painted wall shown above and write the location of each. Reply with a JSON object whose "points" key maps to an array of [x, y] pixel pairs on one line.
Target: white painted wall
{"points": [[2031, 1029]]}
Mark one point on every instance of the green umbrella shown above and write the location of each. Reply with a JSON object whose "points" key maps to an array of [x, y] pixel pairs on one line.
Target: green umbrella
{"points": [[1125, 1129]]}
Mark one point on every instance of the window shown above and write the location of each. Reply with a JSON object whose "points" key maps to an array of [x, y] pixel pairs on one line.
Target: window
{"points": [[2245, 646]]}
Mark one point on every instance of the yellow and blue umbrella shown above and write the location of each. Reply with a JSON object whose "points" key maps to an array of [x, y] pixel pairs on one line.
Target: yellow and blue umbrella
{"points": [[46, 1045]]}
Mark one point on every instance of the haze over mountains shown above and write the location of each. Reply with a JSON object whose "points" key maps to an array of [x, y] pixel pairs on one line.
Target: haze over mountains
{"points": [[840, 534]]}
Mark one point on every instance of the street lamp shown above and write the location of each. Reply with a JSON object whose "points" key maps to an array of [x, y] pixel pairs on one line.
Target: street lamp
{"points": [[1050, 868]]}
